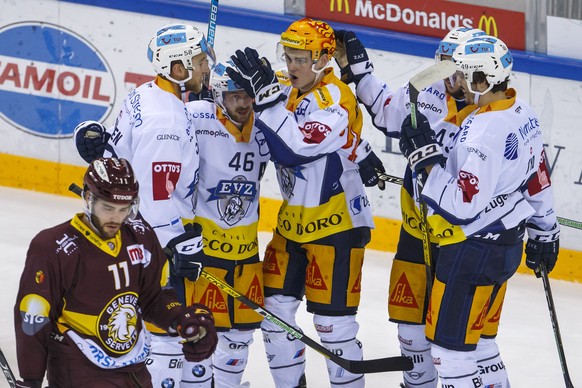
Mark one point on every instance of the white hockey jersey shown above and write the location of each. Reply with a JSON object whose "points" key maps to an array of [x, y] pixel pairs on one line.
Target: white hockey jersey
{"points": [[232, 163], [154, 132], [313, 141], [495, 165], [388, 110]]}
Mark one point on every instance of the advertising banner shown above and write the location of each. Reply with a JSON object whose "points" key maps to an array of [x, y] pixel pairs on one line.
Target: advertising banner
{"points": [[427, 17]]}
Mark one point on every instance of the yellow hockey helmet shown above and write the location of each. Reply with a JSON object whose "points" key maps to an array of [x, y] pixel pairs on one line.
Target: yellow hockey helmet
{"points": [[313, 35]]}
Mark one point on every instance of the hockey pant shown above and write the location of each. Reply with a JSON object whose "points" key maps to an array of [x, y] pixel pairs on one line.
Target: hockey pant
{"points": [[226, 366]]}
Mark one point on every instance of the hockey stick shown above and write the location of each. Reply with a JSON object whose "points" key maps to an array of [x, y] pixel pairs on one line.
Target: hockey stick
{"points": [[7, 371], [427, 77], [554, 318], [212, 29], [570, 223], [388, 364]]}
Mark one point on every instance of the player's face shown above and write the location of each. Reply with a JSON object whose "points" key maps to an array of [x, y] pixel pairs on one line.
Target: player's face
{"points": [[200, 72], [239, 105], [299, 64], [107, 217], [469, 97], [453, 84]]}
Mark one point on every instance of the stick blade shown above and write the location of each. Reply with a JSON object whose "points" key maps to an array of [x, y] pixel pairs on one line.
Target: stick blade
{"points": [[432, 74], [388, 364]]}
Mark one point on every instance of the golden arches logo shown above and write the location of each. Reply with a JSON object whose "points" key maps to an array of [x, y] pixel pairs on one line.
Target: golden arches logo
{"points": [[489, 25], [340, 6]]}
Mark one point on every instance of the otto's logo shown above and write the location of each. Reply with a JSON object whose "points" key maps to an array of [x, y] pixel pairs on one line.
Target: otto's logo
{"points": [[50, 78], [340, 6], [488, 24]]}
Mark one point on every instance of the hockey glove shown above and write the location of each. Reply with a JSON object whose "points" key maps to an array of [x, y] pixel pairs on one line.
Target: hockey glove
{"points": [[419, 144], [196, 326], [29, 383], [539, 253], [186, 251], [203, 95], [358, 63], [90, 139], [369, 166], [257, 77]]}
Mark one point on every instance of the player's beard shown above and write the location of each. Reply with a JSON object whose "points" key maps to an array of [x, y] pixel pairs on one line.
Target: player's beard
{"points": [[107, 230]]}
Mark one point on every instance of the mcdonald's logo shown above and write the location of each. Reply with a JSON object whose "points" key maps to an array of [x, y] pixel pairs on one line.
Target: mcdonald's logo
{"points": [[489, 25], [340, 6]]}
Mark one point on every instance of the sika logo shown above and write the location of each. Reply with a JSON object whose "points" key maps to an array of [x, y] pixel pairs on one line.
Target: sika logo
{"points": [[488, 24], [50, 79], [340, 5]]}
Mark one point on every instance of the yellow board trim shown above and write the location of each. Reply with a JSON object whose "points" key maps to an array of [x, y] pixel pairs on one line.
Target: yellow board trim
{"points": [[54, 178]]}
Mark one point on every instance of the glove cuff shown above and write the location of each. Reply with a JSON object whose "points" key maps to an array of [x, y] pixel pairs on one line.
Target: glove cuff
{"points": [[268, 96], [425, 156], [362, 151], [535, 233]]}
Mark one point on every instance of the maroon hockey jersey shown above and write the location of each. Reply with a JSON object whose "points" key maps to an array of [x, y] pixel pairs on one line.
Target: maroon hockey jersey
{"points": [[91, 294]]}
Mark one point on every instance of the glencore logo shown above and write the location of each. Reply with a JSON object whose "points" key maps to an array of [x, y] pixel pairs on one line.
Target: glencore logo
{"points": [[51, 78]]}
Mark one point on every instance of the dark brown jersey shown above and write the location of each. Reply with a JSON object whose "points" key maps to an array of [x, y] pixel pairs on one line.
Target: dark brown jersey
{"points": [[93, 294]]}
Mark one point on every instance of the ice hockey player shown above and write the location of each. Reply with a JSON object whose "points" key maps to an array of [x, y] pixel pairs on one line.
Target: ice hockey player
{"points": [[154, 131], [495, 179], [444, 105], [233, 158], [324, 222], [86, 287]]}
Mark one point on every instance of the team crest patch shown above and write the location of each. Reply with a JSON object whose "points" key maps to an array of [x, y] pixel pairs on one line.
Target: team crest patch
{"points": [[287, 177], [118, 323], [233, 198]]}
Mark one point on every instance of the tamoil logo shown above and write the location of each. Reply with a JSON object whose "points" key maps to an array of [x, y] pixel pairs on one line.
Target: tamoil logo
{"points": [[51, 79]]}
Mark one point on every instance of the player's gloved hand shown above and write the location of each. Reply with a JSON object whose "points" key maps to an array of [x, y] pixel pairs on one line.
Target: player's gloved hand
{"points": [[29, 383], [196, 326], [538, 253], [90, 139], [419, 145], [352, 57], [369, 166], [186, 250], [204, 95], [257, 77]]}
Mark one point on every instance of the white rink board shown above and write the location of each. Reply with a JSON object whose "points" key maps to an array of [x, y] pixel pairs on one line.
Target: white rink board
{"points": [[121, 38]]}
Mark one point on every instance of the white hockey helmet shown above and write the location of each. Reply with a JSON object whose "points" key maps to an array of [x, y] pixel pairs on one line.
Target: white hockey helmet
{"points": [[175, 42], [484, 54], [454, 38], [220, 82]]}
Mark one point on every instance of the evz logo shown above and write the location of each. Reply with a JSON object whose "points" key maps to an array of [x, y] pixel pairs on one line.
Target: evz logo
{"points": [[233, 197]]}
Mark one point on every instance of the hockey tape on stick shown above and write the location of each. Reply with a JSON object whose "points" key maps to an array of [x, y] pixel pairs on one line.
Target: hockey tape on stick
{"points": [[388, 364], [7, 371], [554, 319]]}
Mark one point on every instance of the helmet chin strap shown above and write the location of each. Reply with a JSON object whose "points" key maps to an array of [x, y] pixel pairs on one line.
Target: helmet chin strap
{"points": [[316, 79]]}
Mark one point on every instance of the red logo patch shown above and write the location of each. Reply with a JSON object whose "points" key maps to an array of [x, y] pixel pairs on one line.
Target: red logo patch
{"points": [[542, 178], [469, 184], [165, 176], [315, 132]]}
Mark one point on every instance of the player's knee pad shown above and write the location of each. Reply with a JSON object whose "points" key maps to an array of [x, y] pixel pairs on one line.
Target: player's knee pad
{"points": [[197, 374], [456, 369], [285, 353], [413, 344], [231, 357], [338, 334], [491, 367], [165, 361]]}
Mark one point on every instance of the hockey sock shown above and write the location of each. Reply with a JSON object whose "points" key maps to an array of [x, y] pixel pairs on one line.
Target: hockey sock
{"points": [[165, 361], [285, 353], [490, 365], [413, 344], [231, 357], [338, 334], [456, 369]]}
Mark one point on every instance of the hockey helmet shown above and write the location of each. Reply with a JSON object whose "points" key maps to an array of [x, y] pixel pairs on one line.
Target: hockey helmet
{"points": [[220, 82], [175, 42], [454, 38], [307, 34], [484, 54], [111, 180]]}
